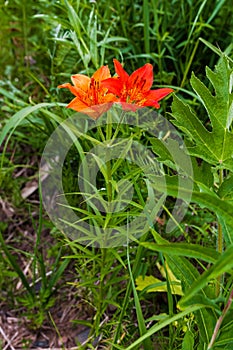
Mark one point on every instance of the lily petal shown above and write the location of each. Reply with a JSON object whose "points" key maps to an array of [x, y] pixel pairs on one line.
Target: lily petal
{"points": [[77, 105], [158, 94], [142, 78], [114, 85], [120, 71], [70, 87], [81, 81], [102, 73]]}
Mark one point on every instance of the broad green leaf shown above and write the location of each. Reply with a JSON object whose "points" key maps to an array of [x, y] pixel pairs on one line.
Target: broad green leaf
{"points": [[214, 147], [209, 200], [218, 106], [226, 230], [223, 264], [188, 274], [188, 122], [188, 341], [185, 249], [153, 284], [225, 191], [206, 320], [202, 300], [202, 173]]}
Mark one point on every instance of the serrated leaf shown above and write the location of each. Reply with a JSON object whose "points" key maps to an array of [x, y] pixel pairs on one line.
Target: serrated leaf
{"points": [[225, 191], [214, 147], [203, 173], [189, 123]]}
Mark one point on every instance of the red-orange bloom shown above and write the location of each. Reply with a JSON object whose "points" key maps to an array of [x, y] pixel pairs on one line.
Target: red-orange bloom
{"points": [[91, 97], [135, 88]]}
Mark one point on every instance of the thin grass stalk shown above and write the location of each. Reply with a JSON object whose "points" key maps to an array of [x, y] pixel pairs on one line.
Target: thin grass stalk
{"points": [[146, 26], [141, 322], [136, 266], [220, 320], [38, 240], [190, 61], [170, 301], [25, 20], [17, 268], [104, 250], [97, 320], [57, 331]]}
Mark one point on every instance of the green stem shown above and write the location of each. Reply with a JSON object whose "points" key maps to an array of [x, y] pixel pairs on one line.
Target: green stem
{"points": [[189, 64], [101, 133], [109, 127], [110, 137], [109, 181], [108, 165], [101, 292], [118, 127], [219, 240], [170, 301], [219, 321], [25, 36]]}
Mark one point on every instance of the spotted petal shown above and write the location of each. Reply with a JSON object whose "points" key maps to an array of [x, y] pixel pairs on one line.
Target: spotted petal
{"points": [[142, 78]]}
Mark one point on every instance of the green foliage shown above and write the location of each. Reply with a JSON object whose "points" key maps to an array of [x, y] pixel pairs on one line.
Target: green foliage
{"points": [[188, 342], [43, 44], [214, 147]]}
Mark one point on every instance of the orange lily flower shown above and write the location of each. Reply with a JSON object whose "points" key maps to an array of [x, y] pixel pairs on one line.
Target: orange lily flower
{"points": [[135, 88], [91, 97]]}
